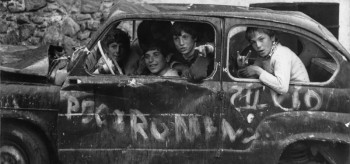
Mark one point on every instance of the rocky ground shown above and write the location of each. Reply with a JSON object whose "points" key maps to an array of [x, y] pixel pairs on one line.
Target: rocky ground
{"points": [[67, 23]]}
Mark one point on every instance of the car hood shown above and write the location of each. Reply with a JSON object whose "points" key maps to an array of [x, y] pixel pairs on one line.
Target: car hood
{"points": [[25, 60]]}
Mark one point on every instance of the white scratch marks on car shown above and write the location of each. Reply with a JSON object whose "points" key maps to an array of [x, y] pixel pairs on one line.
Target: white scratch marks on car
{"points": [[250, 118], [156, 134], [138, 127], [118, 123], [191, 132], [227, 130], [309, 95], [88, 107], [253, 137], [100, 114], [347, 124], [73, 106], [134, 83], [210, 129]]}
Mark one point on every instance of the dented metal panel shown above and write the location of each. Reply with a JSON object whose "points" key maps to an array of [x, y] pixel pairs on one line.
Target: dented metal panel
{"points": [[152, 115]]}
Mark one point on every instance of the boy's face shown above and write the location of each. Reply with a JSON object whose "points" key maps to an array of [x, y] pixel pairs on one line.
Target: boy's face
{"points": [[116, 50], [155, 61], [184, 43], [262, 43]]}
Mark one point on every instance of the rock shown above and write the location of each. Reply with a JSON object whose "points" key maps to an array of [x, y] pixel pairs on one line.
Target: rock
{"points": [[16, 6], [70, 27], [39, 33], [81, 17], [97, 16], [11, 38], [11, 18], [105, 8], [34, 40], [26, 31], [68, 44], [51, 7], [85, 42], [32, 5], [84, 34], [90, 6], [37, 19], [82, 25], [22, 19], [52, 36], [3, 26], [71, 6], [55, 19], [92, 25], [44, 25], [75, 8], [3, 8]]}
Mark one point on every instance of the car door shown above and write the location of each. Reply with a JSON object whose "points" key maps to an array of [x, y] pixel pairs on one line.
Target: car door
{"points": [[141, 119], [265, 121]]}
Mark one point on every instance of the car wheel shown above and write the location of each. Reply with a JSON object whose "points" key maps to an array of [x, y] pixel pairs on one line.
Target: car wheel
{"points": [[313, 152], [22, 146]]}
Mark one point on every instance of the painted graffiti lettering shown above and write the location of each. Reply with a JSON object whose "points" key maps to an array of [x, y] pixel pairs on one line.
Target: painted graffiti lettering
{"points": [[186, 127], [248, 105], [311, 99], [210, 129], [156, 134], [88, 107], [190, 132], [118, 123], [310, 94], [73, 106], [227, 130], [138, 127]]}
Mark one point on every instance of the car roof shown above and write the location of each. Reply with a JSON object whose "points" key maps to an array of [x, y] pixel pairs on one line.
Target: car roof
{"points": [[294, 18]]}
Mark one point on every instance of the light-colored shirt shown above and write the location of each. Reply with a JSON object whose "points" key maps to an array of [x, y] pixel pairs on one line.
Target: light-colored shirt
{"points": [[171, 72], [282, 67]]}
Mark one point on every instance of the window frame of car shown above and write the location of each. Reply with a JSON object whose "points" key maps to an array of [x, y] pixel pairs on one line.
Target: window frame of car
{"points": [[114, 22], [291, 30]]}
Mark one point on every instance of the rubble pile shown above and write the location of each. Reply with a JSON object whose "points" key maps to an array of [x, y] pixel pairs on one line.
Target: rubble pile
{"points": [[67, 23]]}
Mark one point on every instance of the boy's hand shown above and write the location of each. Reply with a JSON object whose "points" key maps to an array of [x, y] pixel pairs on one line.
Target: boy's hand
{"points": [[205, 49]]}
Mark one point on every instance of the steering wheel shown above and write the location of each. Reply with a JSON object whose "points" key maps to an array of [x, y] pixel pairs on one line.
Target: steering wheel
{"points": [[105, 58]]}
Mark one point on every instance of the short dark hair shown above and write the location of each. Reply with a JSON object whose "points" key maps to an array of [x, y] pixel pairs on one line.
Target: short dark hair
{"points": [[250, 31], [187, 27], [161, 49], [118, 36]]}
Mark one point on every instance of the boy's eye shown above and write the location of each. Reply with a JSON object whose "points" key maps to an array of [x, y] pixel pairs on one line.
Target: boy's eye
{"points": [[156, 54]]}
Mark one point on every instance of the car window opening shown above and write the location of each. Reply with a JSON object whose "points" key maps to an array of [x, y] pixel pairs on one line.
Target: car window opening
{"points": [[160, 48], [320, 65]]}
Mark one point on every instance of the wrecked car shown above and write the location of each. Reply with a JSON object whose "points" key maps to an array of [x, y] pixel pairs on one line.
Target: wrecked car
{"points": [[70, 114]]}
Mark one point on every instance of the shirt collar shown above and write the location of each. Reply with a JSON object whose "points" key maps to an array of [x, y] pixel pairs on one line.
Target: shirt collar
{"points": [[273, 49]]}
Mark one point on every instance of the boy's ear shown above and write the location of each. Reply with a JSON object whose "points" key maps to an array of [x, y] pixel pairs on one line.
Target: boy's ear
{"points": [[273, 38]]}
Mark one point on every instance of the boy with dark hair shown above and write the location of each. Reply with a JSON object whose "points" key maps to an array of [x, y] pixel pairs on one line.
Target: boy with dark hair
{"points": [[116, 46], [193, 61], [276, 65], [157, 61]]}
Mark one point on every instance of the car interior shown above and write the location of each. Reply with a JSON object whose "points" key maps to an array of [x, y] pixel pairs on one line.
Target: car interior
{"points": [[142, 33], [319, 64]]}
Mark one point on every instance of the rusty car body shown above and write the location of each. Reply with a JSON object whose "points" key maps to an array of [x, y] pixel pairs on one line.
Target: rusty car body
{"points": [[149, 119]]}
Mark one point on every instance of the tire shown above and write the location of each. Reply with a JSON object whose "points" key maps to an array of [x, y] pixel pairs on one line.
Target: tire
{"points": [[316, 152], [21, 145]]}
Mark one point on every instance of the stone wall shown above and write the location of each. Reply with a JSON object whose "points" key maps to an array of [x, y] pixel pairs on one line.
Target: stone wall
{"points": [[67, 23]]}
